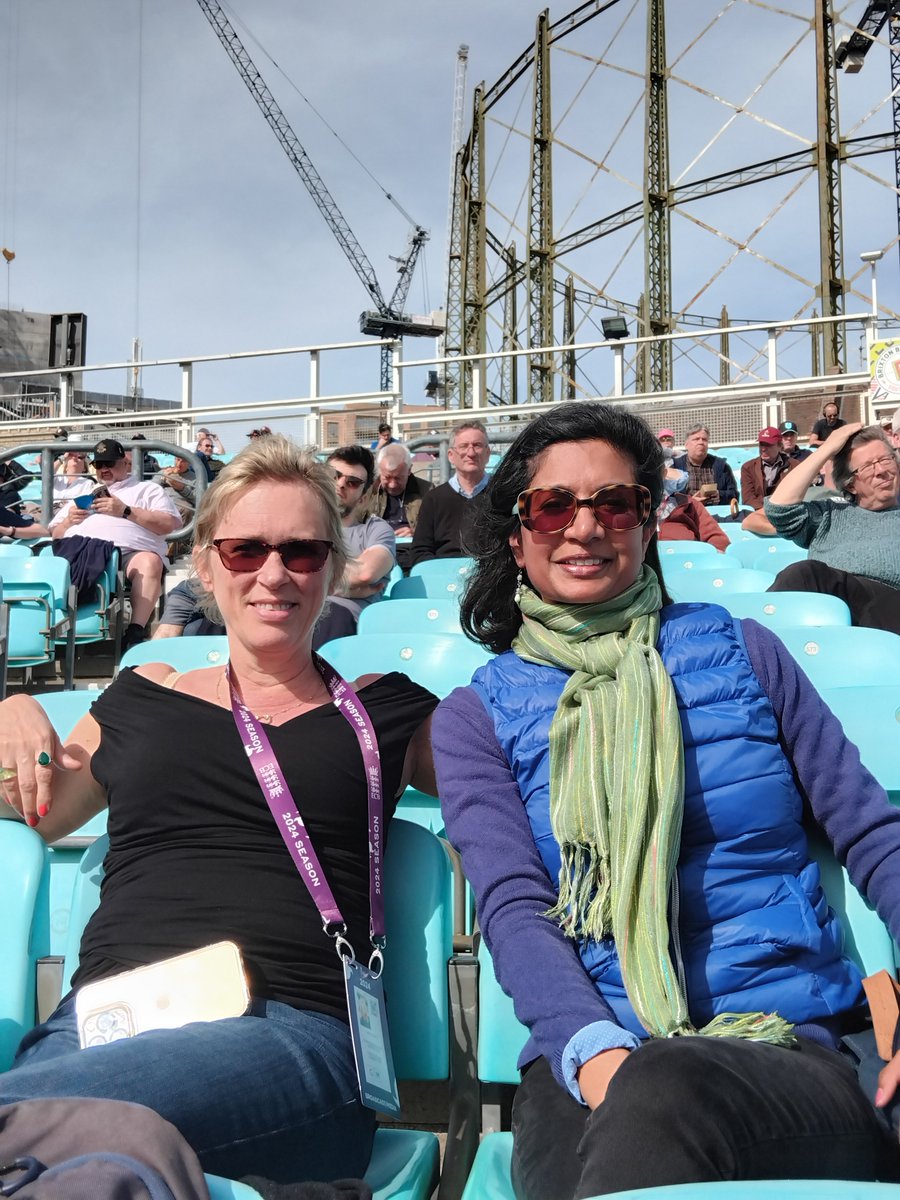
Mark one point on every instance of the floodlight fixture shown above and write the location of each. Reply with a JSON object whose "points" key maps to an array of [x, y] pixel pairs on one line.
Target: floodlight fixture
{"points": [[614, 328]]}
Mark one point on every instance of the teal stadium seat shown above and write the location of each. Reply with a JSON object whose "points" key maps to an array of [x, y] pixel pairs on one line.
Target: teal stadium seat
{"points": [[870, 715], [777, 557], [460, 567], [418, 912], [713, 587], [747, 547], [65, 710], [95, 616], [786, 610], [679, 549], [14, 550], [437, 661], [841, 656], [181, 653], [22, 877], [411, 616], [41, 604], [701, 560], [434, 587], [501, 1037]]}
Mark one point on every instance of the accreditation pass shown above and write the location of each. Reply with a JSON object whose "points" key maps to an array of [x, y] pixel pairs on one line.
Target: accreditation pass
{"points": [[371, 1041]]}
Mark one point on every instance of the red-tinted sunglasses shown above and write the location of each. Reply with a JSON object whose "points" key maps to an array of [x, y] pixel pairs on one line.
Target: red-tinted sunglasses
{"points": [[619, 507], [303, 555]]}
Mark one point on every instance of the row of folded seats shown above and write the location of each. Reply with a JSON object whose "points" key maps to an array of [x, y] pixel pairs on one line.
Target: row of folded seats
{"points": [[44, 617]]}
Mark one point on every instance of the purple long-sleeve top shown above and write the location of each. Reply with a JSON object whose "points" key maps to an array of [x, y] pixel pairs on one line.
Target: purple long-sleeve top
{"points": [[486, 820]]}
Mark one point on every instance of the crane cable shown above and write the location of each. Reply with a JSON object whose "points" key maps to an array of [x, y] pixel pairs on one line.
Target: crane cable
{"points": [[253, 38]]}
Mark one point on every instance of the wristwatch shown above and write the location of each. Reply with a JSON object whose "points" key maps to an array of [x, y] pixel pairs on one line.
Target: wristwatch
{"points": [[126, 511]]}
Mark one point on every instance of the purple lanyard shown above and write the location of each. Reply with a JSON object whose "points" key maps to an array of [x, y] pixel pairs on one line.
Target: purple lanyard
{"points": [[290, 824]]}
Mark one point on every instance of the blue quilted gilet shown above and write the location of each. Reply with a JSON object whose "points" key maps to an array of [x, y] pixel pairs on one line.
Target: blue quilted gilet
{"points": [[754, 930]]}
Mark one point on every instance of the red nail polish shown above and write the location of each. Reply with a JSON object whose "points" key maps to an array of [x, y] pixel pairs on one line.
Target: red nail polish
{"points": [[42, 810], [32, 821]]}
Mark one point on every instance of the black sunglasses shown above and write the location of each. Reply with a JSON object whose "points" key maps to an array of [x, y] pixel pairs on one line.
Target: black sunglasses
{"points": [[302, 555], [618, 507]]}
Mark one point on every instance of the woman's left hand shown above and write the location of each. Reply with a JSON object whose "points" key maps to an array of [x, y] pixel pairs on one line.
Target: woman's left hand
{"points": [[888, 1078]]}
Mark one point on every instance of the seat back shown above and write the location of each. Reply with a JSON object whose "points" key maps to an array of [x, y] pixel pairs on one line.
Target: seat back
{"points": [[711, 587], [65, 709], [458, 567], [411, 616], [181, 654], [870, 715], [703, 560], [841, 656], [500, 1034], [684, 550], [776, 558], [786, 610], [14, 550], [419, 920], [437, 661], [22, 880], [428, 587], [746, 546]]}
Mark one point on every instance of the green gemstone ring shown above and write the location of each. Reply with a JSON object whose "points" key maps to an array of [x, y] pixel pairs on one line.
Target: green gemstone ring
{"points": [[44, 759]]}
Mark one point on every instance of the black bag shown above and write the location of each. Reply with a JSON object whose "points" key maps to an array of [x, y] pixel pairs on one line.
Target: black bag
{"points": [[94, 1150]]}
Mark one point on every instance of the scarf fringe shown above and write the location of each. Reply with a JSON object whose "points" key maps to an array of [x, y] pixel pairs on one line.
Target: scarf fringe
{"points": [[752, 1027], [584, 906]]}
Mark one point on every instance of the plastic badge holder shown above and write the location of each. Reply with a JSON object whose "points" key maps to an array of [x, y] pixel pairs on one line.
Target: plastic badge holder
{"points": [[203, 985]]}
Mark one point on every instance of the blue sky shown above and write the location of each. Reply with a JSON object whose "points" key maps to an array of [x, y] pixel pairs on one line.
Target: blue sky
{"points": [[169, 210]]}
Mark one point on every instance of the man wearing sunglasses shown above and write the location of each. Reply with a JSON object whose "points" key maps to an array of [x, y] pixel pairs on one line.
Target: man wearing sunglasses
{"points": [[448, 509], [370, 541], [135, 516]]}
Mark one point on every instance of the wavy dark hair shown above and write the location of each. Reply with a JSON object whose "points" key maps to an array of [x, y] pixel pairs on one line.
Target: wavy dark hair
{"points": [[489, 613]]}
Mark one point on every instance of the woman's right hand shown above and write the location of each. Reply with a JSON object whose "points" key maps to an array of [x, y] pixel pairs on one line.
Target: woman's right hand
{"points": [[595, 1075], [25, 734]]}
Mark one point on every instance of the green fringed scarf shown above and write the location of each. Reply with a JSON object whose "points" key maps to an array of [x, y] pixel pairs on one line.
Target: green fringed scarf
{"points": [[617, 794]]}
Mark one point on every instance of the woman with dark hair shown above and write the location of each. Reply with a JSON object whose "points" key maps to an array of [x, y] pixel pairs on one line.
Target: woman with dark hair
{"points": [[854, 548], [626, 782]]}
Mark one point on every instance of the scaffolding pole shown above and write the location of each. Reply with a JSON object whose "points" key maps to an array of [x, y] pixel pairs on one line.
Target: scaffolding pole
{"points": [[540, 222], [828, 168], [657, 215]]}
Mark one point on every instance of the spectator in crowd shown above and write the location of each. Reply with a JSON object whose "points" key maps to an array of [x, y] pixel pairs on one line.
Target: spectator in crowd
{"points": [[205, 453], [180, 478], [385, 437], [195, 855], [205, 435], [151, 462], [826, 424], [134, 515], [789, 434], [185, 615], [666, 438], [61, 434], [682, 518], [854, 548], [73, 478], [760, 476], [626, 782], [263, 431], [711, 478], [398, 494], [448, 509], [17, 525], [13, 479], [370, 542]]}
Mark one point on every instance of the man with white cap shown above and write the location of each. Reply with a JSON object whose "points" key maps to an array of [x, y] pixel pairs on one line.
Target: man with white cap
{"points": [[760, 476]]}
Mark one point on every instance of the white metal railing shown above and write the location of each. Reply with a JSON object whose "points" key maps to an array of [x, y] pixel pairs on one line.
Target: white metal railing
{"points": [[768, 387]]}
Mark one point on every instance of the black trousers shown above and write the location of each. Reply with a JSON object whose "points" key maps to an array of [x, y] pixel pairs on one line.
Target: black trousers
{"points": [[694, 1110], [872, 604]]}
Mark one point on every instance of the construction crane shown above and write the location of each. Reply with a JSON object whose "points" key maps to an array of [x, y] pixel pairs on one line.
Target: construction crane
{"points": [[852, 50], [388, 319]]}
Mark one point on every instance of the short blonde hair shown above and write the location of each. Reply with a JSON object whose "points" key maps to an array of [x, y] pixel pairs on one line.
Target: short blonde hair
{"points": [[272, 459]]}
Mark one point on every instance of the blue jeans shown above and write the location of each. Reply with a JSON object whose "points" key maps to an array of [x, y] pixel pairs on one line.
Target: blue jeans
{"points": [[272, 1093]]}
